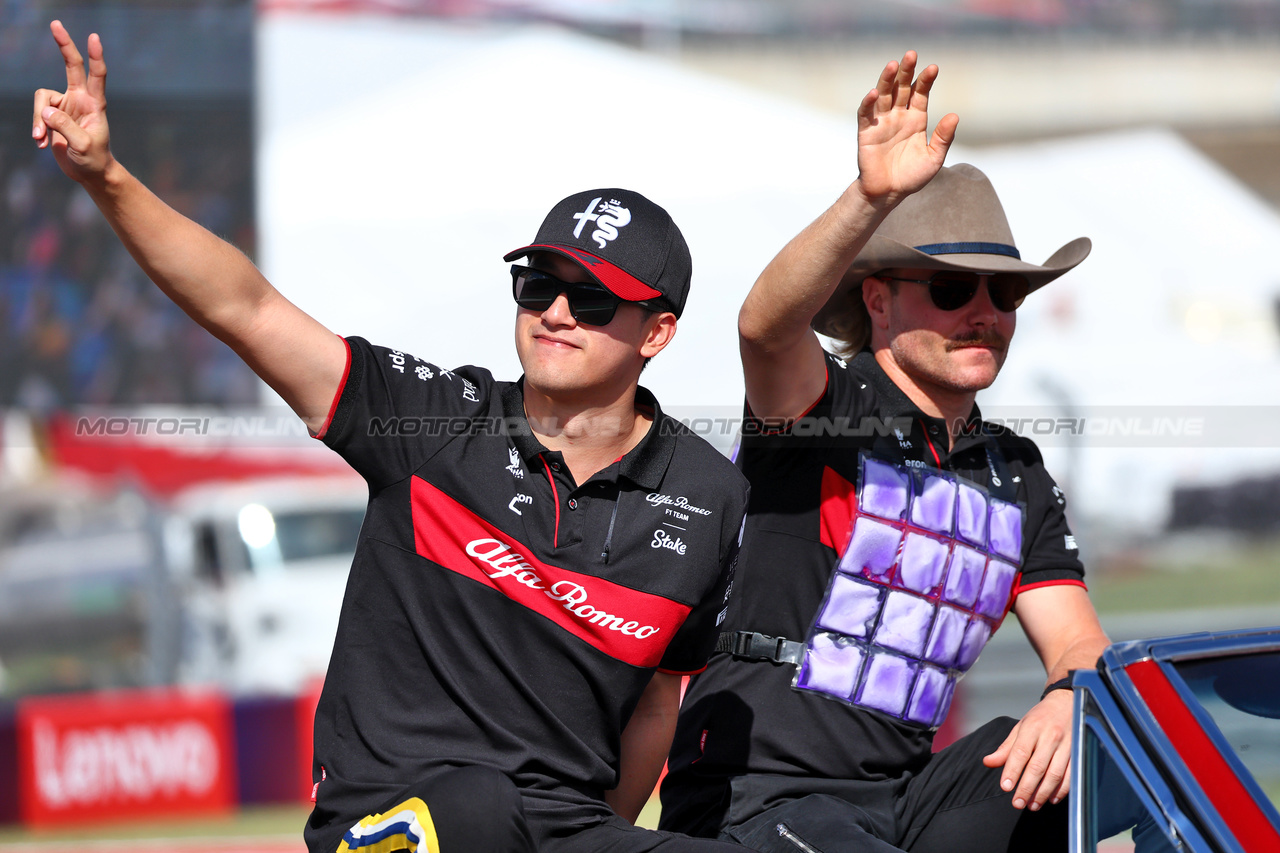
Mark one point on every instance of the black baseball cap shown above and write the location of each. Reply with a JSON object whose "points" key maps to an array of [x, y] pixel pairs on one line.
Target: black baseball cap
{"points": [[625, 242]]}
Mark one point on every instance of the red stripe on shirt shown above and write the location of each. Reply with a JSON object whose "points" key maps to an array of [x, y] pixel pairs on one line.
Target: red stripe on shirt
{"points": [[1021, 588], [555, 496], [925, 432], [839, 502], [826, 380], [342, 385], [627, 624], [682, 672]]}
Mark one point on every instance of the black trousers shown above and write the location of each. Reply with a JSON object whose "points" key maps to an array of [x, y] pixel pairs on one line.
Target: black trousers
{"points": [[480, 810], [615, 835], [471, 809], [955, 805]]}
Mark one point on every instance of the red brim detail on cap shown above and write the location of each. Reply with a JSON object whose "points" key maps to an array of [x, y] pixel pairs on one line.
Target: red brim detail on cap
{"points": [[620, 283]]}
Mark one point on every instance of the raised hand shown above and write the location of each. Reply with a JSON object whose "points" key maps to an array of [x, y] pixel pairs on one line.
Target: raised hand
{"points": [[74, 122], [896, 157]]}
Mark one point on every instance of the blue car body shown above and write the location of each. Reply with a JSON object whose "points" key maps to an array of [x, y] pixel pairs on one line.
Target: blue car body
{"points": [[1191, 725]]}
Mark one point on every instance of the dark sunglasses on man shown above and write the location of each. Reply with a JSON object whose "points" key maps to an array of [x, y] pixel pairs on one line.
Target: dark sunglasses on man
{"points": [[951, 290], [588, 302]]}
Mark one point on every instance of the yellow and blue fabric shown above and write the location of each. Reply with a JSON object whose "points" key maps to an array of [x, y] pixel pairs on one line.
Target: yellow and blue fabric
{"points": [[407, 826]]}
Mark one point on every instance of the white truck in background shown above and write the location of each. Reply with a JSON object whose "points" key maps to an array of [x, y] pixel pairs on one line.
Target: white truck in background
{"points": [[261, 569], [233, 584]]}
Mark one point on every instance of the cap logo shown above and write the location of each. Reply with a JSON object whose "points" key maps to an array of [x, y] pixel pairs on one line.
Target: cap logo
{"points": [[608, 216]]}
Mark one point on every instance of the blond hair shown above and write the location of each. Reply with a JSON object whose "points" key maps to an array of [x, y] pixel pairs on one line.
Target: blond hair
{"points": [[849, 325]]}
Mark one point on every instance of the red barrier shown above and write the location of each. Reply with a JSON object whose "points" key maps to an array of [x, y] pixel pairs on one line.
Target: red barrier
{"points": [[165, 467], [123, 755]]}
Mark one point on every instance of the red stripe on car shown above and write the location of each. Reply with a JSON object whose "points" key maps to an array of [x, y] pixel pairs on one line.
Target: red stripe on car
{"points": [[1215, 776]]}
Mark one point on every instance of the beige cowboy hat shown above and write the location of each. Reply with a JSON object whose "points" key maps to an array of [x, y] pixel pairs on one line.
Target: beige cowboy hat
{"points": [[956, 222]]}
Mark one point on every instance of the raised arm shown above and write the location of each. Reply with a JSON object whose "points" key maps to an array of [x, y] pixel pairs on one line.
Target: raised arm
{"points": [[207, 277], [782, 360]]}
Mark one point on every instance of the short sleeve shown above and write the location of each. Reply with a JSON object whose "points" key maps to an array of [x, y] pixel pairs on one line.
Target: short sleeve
{"points": [[1051, 554], [395, 410], [691, 648], [839, 396]]}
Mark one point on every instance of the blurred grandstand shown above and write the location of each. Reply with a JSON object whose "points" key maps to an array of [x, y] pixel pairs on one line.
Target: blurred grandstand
{"points": [[79, 322], [809, 20]]}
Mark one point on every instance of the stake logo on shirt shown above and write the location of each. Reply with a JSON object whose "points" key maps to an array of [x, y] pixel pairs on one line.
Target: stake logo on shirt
{"points": [[627, 624]]}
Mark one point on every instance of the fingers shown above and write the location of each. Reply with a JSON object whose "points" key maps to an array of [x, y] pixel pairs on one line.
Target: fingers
{"points": [[1036, 757], [902, 80], [1064, 787], [866, 109], [1001, 755], [899, 88], [68, 117], [1021, 775], [77, 137], [1053, 781], [919, 91], [884, 87], [44, 98], [70, 55], [944, 133], [97, 82]]}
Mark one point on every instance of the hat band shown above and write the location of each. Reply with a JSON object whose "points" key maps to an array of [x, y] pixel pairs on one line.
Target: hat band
{"points": [[970, 249]]}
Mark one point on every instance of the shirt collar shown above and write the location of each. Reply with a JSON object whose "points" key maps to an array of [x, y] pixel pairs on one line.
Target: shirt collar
{"points": [[895, 403], [645, 464]]}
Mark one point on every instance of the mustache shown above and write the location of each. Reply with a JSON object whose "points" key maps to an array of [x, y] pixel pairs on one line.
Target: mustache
{"points": [[978, 338]]}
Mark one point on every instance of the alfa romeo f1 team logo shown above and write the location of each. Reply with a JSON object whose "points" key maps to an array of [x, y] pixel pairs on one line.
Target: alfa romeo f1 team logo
{"points": [[608, 216], [628, 624]]}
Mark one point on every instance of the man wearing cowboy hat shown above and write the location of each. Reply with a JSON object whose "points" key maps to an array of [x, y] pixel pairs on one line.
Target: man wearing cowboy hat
{"points": [[889, 530]]}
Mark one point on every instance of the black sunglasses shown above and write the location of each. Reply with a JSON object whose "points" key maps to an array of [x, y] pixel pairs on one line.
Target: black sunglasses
{"points": [[951, 290], [588, 303]]}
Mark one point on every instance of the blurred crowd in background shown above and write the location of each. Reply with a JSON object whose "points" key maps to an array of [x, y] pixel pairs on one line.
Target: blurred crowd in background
{"points": [[79, 322]]}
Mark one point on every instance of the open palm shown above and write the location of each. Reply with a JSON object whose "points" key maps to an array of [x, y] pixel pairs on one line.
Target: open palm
{"points": [[896, 156]]}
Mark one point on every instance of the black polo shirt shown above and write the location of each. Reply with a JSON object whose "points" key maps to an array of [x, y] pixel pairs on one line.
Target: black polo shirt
{"points": [[497, 612], [741, 717]]}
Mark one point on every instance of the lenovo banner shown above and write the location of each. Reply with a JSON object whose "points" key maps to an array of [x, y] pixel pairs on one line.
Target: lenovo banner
{"points": [[128, 754]]}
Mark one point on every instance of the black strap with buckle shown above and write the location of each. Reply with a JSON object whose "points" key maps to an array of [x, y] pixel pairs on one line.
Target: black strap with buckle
{"points": [[751, 645]]}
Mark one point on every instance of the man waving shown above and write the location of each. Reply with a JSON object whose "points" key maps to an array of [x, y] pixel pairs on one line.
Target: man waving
{"points": [[890, 529]]}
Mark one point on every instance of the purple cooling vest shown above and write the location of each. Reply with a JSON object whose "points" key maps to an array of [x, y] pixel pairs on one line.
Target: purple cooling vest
{"points": [[926, 578]]}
